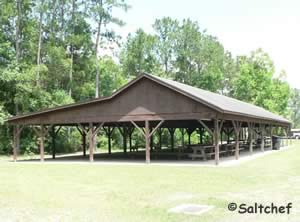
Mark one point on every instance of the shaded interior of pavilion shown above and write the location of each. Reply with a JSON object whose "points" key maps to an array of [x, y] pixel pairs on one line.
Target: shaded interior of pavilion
{"points": [[184, 140]]}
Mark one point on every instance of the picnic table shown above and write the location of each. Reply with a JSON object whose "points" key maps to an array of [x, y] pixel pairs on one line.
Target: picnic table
{"points": [[230, 147], [200, 151]]}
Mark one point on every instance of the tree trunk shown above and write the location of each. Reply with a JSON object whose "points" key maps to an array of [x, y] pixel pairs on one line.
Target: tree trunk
{"points": [[96, 52], [18, 48], [72, 50], [62, 15], [39, 46], [18, 30]]}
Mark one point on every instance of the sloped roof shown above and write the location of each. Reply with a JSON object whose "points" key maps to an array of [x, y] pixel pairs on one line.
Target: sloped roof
{"points": [[216, 101], [222, 103]]}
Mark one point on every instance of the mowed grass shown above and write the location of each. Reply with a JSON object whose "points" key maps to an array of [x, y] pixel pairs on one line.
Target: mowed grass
{"points": [[95, 192]]}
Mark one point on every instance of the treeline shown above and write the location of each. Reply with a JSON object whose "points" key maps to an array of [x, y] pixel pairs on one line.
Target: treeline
{"points": [[51, 53]]}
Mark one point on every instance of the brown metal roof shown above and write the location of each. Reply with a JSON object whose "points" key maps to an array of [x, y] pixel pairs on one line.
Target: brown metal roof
{"points": [[220, 103]]}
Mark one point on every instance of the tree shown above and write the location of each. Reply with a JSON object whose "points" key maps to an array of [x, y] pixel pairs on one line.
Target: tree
{"points": [[256, 83], [198, 57], [112, 76], [294, 107], [230, 74], [139, 54], [101, 11], [166, 30]]}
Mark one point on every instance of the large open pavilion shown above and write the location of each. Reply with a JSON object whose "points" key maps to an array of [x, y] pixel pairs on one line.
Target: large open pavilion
{"points": [[149, 104]]}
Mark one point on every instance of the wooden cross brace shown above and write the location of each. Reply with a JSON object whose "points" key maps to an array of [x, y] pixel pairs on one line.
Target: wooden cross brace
{"points": [[109, 130], [42, 131], [95, 129], [18, 130], [55, 132], [142, 130], [237, 125]]}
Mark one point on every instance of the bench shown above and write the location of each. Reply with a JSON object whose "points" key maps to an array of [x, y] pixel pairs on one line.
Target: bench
{"points": [[204, 156]]}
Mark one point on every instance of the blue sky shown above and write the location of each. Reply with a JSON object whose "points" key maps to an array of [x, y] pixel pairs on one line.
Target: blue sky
{"points": [[241, 25]]}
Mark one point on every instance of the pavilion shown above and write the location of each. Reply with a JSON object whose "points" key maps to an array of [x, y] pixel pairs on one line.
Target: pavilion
{"points": [[150, 103]]}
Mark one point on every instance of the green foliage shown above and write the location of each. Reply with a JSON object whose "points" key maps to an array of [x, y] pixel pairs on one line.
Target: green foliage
{"points": [[139, 54], [294, 107], [3, 115], [256, 83], [112, 78]]}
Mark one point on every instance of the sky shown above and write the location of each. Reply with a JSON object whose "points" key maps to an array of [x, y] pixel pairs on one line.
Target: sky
{"points": [[240, 25]]}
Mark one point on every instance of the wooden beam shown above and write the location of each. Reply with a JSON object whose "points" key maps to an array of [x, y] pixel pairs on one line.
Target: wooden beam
{"points": [[54, 134], [157, 126], [42, 132], [262, 132], [271, 135], [84, 143], [237, 127], [206, 127], [172, 131], [147, 138], [86, 130], [17, 129], [53, 142], [250, 135], [124, 132], [159, 130], [91, 142], [14, 143], [216, 141], [201, 132], [139, 128], [109, 130], [190, 132]]}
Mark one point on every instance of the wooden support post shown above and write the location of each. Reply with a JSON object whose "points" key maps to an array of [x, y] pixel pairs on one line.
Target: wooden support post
{"points": [[286, 136], [109, 131], [216, 138], [83, 131], [172, 131], [130, 138], [53, 142], [92, 132], [201, 133], [271, 135], [190, 132], [250, 135], [42, 132], [237, 127], [262, 132], [17, 129], [17, 140], [14, 144], [147, 134], [151, 139], [124, 132], [54, 133], [228, 136], [42, 151], [289, 137], [182, 136], [216, 141], [91, 142], [147, 138], [125, 142], [84, 143], [159, 137]]}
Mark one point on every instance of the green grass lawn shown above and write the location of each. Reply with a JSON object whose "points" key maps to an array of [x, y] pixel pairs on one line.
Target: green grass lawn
{"points": [[95, 192]]}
